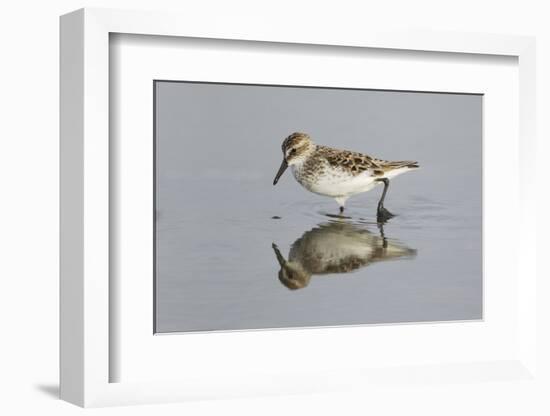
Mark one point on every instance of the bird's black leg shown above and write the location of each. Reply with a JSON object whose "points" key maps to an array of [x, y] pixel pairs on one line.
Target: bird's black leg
{"points": [[341, 210], [382, 214], [382, 235]]}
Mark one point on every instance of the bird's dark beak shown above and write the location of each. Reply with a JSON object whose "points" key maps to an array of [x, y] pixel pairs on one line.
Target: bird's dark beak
{"points": [[282, 169], [279, 256]]}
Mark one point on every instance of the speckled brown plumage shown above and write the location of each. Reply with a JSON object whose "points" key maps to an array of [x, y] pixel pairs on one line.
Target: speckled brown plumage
{"points": [[353, 162], [338, 173]]}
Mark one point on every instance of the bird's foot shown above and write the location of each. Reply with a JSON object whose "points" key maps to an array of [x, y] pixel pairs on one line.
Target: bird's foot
{"points": [[338, 216], [383, 215]]}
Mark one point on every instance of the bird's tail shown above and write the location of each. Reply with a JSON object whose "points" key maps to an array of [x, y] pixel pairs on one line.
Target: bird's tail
{"points": [[389, 166], [404, 164], [389, 169]]}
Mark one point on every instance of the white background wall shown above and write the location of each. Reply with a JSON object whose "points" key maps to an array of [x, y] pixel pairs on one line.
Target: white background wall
{"points": [[29, 202]]}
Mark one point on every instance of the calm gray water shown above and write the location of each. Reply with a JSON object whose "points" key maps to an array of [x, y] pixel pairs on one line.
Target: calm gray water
{"points": [[218, 214]]}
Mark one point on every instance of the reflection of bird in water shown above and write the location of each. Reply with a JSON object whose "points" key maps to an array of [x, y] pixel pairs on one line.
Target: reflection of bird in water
{"points": [[335, 247]]}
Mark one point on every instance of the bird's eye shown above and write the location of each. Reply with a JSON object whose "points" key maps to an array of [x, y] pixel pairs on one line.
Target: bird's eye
{"points": [[292, 151]]}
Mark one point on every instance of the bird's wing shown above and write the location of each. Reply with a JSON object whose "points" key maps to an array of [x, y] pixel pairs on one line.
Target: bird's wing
{"points": [[356, 162], [359, 162]]}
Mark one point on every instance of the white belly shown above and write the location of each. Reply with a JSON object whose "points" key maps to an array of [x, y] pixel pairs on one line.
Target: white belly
{"points": [[337, 183], [357, 185]]}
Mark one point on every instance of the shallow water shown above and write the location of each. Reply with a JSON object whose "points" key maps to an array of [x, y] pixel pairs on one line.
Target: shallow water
{"points": [[222, 273], [224, 233]]}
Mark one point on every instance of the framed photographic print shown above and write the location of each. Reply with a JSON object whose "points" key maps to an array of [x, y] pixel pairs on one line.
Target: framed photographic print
{"points": [[244, 214]]}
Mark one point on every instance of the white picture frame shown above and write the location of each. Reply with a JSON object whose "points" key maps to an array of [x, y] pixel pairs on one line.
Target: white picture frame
{"points": [[86, 303]]}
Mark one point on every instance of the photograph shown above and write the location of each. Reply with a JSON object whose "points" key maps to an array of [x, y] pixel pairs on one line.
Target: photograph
{"points": [[282, 206]]}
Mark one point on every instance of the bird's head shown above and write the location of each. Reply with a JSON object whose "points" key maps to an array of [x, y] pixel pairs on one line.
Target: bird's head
{"points": [[296, 148], [292, 274]]}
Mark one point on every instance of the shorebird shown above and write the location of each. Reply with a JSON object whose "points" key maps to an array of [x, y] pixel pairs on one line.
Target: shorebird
{"points": [[335, 247], [338, 173]]}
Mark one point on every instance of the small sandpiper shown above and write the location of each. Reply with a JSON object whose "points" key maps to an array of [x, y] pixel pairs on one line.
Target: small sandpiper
{"points": [[338, 173]]}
